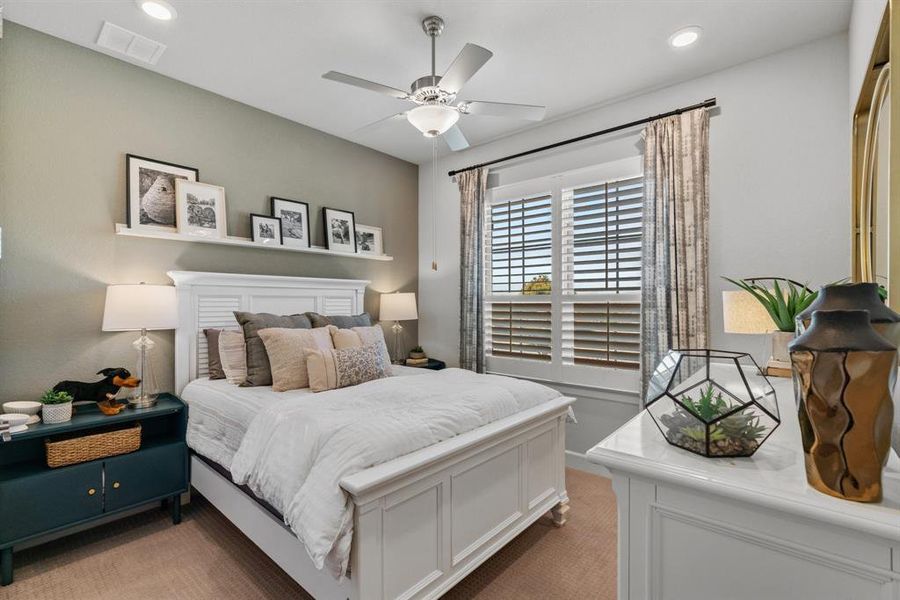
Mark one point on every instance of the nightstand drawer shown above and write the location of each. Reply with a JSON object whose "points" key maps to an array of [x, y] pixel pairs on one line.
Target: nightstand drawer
{"points": [[145, 474], [50, 499]]}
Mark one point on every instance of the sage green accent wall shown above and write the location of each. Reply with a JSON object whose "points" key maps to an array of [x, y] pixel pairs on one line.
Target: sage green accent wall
{"points": [[68, 116]]}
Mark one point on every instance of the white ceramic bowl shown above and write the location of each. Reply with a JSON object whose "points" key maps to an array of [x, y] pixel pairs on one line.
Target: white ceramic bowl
{"points": [[23, 407], [15, 419]]}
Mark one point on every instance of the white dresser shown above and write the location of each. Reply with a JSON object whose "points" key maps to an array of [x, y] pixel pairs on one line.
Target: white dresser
{"points": [[694, 528]]}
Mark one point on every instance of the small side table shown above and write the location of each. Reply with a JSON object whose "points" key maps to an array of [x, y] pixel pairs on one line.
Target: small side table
{"points": [[433, 364], [37, 499]]}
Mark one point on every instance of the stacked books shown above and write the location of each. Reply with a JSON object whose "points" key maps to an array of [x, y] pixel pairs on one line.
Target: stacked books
{"points": [[416, 362]]}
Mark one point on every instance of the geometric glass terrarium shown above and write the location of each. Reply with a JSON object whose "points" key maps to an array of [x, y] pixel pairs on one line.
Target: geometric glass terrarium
{"points": [[715, 403]]}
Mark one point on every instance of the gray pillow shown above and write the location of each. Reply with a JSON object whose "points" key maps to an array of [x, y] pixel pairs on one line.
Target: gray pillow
{"points": [[340, 321], [258, 370], [214, 369]]}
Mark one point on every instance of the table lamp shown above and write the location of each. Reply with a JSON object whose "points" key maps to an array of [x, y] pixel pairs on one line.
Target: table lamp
{"points": [[141, 307], [743, 313], [398, 307]]}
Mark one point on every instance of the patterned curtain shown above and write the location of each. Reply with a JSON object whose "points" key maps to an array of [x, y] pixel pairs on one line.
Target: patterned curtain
{"points": [[674, 311], [472, 189]]}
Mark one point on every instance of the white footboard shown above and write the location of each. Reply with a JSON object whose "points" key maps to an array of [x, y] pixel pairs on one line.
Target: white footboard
{"points": [[425, 521]]}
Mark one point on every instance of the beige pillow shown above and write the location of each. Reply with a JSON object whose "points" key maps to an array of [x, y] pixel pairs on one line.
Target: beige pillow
{"points": [[233, 355], [362, 336], [332, 369], [287, 358]]}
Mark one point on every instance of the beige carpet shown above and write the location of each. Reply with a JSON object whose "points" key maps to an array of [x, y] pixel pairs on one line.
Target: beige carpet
{"points": [[145, 558]]}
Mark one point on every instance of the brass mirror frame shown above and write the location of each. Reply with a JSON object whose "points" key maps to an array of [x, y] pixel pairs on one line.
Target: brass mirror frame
{"points": [[870, 107]]}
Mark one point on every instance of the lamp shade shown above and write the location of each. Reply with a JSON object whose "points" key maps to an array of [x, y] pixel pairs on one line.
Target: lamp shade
{"points": [[432, 119], [133, 307], [744, 314], [399, 307]]}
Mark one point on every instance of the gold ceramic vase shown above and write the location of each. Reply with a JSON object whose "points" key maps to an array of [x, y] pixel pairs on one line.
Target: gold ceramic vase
{"points": [[844, 373]]}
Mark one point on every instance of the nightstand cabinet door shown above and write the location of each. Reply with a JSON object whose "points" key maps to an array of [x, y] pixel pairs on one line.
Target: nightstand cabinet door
{"points": [[50, 499], [147, 474]]}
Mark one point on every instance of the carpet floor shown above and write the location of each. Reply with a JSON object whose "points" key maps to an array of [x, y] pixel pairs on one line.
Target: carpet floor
{"points": [[144, 557]]}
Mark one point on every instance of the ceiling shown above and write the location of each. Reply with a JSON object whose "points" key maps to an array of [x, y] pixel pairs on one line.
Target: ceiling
{"points": [[566, 55]]}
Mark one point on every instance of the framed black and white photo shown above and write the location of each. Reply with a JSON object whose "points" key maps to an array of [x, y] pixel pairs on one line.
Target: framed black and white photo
{"points": [[340, 230], [294, 217], [200, 208], [369, 240], [150, 192], [266, 230]]}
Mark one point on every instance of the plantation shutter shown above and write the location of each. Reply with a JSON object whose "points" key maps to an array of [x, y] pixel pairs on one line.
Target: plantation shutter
{"points": [[520, 330], [602, 333], [602, 237], [520, 245]]}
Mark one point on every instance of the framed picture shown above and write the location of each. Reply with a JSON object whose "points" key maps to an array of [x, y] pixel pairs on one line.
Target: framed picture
{"points": [[200, 208], [150, 192], [369, 240], [340, 230], [266, 230], [294, 217]]}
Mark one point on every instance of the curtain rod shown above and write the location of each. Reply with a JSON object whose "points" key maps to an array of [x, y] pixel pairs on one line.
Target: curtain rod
{"points": [[711, 102]]}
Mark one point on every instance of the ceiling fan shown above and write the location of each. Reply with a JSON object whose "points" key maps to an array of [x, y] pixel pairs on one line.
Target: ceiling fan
{"points": [[434, 113]]}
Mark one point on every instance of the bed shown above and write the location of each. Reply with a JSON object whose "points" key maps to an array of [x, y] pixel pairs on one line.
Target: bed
{"points": [[420, 522]]}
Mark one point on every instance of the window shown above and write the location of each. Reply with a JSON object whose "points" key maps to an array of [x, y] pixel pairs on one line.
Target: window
{"points": [[563, 269]]}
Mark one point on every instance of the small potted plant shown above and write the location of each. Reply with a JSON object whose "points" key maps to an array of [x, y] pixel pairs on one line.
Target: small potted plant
{"points": [[417, 352], [57, 407]]}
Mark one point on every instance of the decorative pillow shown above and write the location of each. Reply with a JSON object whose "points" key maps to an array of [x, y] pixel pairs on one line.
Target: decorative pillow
{"points": [[214, 363], [332, 369], [233, 354], [362, 336], [342, 321], [258, 370], [285, 348]]}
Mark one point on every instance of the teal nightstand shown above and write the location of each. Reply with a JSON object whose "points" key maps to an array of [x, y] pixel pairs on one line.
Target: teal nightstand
{"points": [[37, 500]]}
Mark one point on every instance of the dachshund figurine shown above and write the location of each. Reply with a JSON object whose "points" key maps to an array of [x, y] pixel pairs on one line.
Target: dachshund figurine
{"points": [[113, 379]]}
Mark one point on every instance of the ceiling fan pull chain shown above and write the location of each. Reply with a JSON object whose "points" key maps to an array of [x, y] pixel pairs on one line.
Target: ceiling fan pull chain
{"points": [[434, 204]]}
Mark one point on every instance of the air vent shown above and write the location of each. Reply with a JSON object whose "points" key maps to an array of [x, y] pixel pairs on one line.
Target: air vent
{"points": [[120, 40]]}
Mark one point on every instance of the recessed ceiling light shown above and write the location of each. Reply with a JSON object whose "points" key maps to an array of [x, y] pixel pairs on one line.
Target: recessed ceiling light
{"points": [[158, 9], [685, 37]]}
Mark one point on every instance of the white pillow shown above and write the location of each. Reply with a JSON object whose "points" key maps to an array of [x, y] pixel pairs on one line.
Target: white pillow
{"points": [[233, 354], [362, 336]]}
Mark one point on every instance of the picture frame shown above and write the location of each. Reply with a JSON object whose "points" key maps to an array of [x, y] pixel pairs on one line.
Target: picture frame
{"points": [[369, 240], [294, 216], [266, 230], [150, 192], [200, 209], [340, 230]]}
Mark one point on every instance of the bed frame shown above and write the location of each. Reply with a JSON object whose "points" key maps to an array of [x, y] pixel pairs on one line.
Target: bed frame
{"points": [[423, 521]]}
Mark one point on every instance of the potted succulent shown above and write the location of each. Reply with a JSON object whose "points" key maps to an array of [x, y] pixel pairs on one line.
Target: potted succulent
{"points": [[57, 407], [417, 352]]}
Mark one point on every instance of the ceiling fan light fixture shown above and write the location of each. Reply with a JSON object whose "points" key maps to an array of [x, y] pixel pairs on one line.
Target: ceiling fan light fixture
{"points": [[158, 9], [432, 119]]}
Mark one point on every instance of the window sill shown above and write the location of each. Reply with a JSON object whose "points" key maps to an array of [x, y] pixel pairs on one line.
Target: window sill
{"points": [[624, 396]]}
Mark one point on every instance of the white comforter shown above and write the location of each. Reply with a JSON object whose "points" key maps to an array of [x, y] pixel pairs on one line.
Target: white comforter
{"points": [[295, 456]]}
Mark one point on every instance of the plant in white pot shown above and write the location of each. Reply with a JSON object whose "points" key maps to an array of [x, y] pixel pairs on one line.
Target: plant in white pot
{"points": [[57, 407]]}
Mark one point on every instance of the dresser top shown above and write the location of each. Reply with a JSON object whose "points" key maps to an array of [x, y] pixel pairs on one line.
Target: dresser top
{"points": [[774, 477]]}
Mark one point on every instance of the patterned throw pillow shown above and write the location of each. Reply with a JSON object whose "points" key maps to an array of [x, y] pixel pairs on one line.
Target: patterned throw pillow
{"points": [[332, 369], [233, 354], [362, 336], [287, 358]]}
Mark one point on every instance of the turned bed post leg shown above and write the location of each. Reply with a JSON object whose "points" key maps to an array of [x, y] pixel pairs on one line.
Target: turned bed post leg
{"points": [[560, 513]]}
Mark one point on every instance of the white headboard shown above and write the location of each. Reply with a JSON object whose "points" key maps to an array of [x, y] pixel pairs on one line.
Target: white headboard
{"points": [[207, 300]]}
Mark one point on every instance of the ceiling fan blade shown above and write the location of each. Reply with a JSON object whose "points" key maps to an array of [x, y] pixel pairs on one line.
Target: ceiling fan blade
{"points": [[380, 122], [455, 139], [467, 62], [503, 109], [365, 84]]}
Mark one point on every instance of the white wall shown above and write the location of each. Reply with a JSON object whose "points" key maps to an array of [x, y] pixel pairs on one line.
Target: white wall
{"points": [[779, 185], [865, 18]]}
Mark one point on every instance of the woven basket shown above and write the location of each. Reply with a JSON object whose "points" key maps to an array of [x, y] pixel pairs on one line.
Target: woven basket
{"points": [[91, 447]]}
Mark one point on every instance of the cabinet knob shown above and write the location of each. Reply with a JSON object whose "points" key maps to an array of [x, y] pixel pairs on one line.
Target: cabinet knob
{"points": [[116, 485], [91, 492]]}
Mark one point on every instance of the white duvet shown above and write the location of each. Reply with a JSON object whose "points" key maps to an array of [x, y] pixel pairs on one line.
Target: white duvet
{"points": [[295, 454]]}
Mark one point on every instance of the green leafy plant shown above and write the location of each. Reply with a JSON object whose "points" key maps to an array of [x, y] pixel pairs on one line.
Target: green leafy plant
{"points": [[538, 285], [418, 349], [51, 397], [709, 405], [882, 293], [783, 303]]}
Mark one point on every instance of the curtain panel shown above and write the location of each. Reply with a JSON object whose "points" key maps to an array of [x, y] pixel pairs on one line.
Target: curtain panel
{"points": [[675, 258], [472, 191]]}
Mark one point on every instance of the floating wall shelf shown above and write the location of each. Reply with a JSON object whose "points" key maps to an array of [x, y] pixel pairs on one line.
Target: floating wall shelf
{"points": [[122, 229]]}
